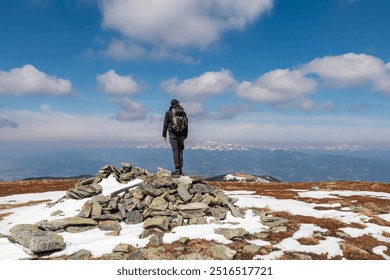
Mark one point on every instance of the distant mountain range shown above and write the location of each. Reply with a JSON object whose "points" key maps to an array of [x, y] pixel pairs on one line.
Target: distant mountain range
{"points": [[241, 177], [212, 159]]}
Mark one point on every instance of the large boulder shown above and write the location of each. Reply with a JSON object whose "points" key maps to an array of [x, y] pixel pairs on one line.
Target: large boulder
{"points": [[35, 239]]}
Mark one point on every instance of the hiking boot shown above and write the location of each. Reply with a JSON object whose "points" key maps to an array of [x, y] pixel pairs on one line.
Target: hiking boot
{"points": [[177, 172]]}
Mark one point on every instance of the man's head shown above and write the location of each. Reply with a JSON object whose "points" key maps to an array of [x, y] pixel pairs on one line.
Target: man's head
{"points": [[174, 102]]}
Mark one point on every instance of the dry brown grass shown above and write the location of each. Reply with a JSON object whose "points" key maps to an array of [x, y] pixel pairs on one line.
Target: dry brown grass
{"points": [[360, 248]]}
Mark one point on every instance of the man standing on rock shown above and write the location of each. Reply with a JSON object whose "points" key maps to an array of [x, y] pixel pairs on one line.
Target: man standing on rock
{"points": [[176, 122]]}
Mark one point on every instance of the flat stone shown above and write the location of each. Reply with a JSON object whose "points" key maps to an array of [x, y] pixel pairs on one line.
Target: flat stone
{"points": [[80, 255], [201, 188], [101, 199], [184, 195], [114, 216], [110, 225], [159, 204], [37, 240], [96, 209], [57, 213], [219, 213], [86, 209], [122, 247], [193, 206], [189, 214], [222, 252], [193, 256], [251, 249], [231, 233], [77, 229], [157, 222], [235, 212], [134, 217], [198, 221], [54, 225]]}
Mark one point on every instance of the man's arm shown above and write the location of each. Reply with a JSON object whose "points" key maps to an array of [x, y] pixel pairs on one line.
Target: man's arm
{"points": [[165, 126]]}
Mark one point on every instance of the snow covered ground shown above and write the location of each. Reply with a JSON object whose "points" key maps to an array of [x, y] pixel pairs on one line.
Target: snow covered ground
{"points": [[98, 243]]}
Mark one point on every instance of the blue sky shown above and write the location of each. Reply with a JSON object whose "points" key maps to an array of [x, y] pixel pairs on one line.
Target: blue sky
{"points": [[254, 72]]}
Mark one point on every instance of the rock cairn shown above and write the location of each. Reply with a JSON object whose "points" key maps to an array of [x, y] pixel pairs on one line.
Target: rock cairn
{"points": [[90, 187], [160, 202]]}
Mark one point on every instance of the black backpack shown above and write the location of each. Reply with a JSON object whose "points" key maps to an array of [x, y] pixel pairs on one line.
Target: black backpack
{"points": [[179, 120]]}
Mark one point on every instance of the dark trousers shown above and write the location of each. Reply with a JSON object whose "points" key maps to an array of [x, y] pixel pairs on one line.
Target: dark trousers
{"points": [[177, 144]]}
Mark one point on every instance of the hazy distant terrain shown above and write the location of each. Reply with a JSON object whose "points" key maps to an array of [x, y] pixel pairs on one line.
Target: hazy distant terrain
{"points": [[211, 160]]}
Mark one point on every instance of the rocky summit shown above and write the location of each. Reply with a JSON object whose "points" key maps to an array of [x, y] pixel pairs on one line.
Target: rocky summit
{"points": [[160, 201]]}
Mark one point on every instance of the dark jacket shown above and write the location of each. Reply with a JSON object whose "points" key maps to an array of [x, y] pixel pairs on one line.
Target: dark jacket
{"points": [[168, 123]]}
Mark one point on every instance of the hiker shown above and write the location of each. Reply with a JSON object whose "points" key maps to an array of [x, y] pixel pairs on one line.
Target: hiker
{"points": [[176, 123]]}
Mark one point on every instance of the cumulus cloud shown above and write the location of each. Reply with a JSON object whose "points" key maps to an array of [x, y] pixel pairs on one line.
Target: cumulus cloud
{"points": [[278, 87], [8, 123], [349, 70], [29, 80], [203, 86], [346, 70], [284, 87], [112, 83], [176, 24], [131, 111]]}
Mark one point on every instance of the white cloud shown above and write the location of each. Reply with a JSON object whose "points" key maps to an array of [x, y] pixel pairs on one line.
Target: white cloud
{"points": [[175, 24], [346, 70], [112, 83], [207, 84], [283, 87], [195, 109], [306, 105], [278, 87], [29, 80], [131, 111]]}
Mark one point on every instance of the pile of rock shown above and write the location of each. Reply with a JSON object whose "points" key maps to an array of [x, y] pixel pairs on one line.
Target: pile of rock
{"points": [[160, 202], [90, 187]]}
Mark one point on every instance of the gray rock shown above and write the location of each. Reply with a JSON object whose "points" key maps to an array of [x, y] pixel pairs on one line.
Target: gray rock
{"points": [[300, 256], [157, 222], [54, 225], [231, 233], [116, 256], [159, 204], [86, 209], [193, 256], [110, 225], [57, 213], [273, 221], [37, 240], [251, 249], [219, 213], [80, 255], [122, 247], [134, 217], [235, 212], [278, 229], [96, 209], [77, 229], [222, 252], [184, 195], [201, 188], [137, 255], [189, 214], [193, 206], [101, 199], [115, 216], [198, 221]]}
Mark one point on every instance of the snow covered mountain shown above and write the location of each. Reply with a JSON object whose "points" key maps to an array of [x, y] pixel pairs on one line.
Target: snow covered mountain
{"points": [[215, 146]]}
